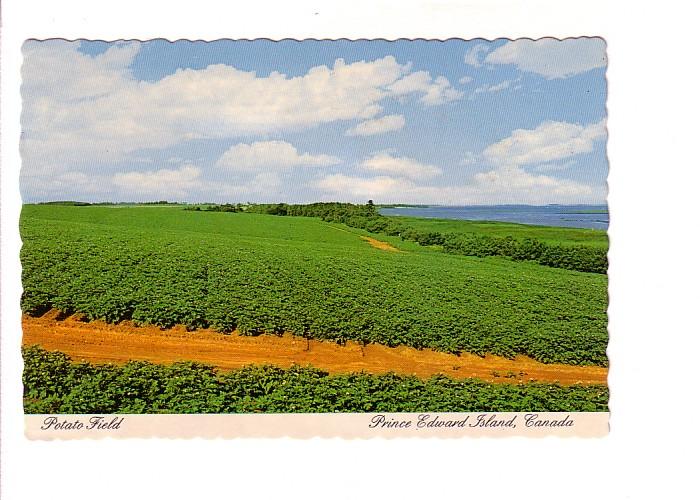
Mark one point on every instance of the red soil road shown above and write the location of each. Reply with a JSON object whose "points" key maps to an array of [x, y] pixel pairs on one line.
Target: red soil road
{"points": [[381, 245], [99, 342]]}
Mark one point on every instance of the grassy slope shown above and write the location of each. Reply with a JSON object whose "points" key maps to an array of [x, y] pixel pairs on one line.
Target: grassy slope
{"points": [[548, 234], [263, 273]]}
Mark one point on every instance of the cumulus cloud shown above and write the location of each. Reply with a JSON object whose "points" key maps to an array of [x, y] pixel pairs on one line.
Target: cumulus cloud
{"points": [[345, 187], [165, 183], [396, 180], [400, 166], [466, 79], [500, 186], [548, 142], [63, 92], [387, 123], [516, 172], [56, 65], [187, 183], [470, 158], [474, 56], [70, 185], [435, 90], [79, 109], [555, 167], [539, 147], [498, 87], [264, 155], [552, 58], [86, 115], [512, 183]]}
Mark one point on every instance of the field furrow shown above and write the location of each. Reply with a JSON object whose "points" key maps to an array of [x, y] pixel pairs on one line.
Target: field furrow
{"points": [[99, 342]]}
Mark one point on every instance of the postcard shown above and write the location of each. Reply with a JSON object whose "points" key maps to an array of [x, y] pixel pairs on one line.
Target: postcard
{"points": [[332, 238]]}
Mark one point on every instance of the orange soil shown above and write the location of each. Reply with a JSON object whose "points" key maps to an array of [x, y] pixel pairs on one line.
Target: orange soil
{"points": [[99, 342], [381, 245]]}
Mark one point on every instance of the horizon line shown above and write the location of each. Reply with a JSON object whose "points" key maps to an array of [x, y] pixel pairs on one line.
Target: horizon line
{"points": [[403, 204]]}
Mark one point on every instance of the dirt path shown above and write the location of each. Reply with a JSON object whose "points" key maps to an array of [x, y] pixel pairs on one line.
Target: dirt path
{"points": [[381, 245], [100, 342]]}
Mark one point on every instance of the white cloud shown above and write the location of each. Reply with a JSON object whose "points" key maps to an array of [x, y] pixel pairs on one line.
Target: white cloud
{"points": [[381, 125], [400, 166], [440, 92], [56, 66], [550, 141], [184, 184], [555, 167], [507, 181], [415, 82], [500, 186], [264, 155], [164, 183], [470, 158], [466, 79], [70, 185], [512, 184], [473, 57], [498, 87], [80, 110], [263, 187], [436, 90], [552, 58], [343, 187]]}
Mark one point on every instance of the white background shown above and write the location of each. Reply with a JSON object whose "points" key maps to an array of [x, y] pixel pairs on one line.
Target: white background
{"points": [[651, 451]]}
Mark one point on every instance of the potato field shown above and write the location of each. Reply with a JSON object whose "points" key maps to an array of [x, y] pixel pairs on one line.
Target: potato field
{"points": [[261, 274]]}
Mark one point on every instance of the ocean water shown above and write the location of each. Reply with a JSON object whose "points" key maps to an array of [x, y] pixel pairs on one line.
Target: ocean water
{"points": [[584, 216]]}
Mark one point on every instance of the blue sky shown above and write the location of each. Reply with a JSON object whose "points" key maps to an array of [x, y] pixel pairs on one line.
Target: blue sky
{"points": [[455, 122]]}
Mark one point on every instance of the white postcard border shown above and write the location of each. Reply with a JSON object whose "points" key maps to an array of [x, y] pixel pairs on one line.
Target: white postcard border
{"points": [[645, 454]]}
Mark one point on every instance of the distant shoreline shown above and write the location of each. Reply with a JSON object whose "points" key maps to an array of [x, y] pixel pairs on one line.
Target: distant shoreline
{"points": [[592, 217], [498, 205], [378, 205]]}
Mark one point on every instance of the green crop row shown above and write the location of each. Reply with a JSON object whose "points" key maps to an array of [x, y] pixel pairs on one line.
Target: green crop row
{"points": [[261, 274], [53, 384]]}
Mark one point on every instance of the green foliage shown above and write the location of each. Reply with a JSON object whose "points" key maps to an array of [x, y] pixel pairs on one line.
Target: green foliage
{"points": [[53, 385], [67, 203], [550, 235], [329, 212], [586, 257], [260, 274], [575, 258], [228, 207]]}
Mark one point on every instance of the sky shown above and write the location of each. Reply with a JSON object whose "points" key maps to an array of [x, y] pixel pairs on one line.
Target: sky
{"points": [[454, 123]]}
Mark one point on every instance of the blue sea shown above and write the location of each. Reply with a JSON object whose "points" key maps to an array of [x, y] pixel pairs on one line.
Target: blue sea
{"points": [[547, 215]]}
